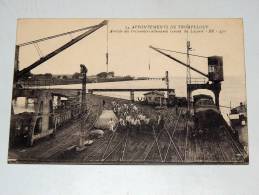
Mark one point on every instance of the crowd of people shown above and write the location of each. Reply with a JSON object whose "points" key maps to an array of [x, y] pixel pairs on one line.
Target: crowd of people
{"points": [[133, 118]]}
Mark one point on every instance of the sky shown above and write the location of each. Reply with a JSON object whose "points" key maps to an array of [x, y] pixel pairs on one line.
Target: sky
{"points": [[128, 45]]}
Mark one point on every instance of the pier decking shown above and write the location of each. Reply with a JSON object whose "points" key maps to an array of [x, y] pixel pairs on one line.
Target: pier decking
{"points": [[170, 145]]}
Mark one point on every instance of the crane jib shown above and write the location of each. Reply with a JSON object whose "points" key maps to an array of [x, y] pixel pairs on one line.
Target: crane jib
{"points": [[57, 51]]}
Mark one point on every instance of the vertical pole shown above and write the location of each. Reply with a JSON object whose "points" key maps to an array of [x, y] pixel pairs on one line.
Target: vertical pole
{"points": [[107, 47], [83, 72], [188, 76], [188, 83], [16, 63], [167, 86], [16, 60], [26, 102], [83, 105], [167, 82]]}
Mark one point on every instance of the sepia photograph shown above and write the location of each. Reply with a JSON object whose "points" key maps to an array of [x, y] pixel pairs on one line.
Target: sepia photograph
{"points": [[129, 91]]}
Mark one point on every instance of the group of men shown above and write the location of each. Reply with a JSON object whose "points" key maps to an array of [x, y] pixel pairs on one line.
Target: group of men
{"points": [[132, 117]]}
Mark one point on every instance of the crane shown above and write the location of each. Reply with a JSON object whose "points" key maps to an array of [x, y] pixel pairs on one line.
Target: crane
{"points": [[215, 74], [48, 98], [18, 74]]}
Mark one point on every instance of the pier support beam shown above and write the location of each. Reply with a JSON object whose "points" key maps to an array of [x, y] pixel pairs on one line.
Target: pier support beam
{"points": [[26, 102], [132, 96], [15, 100], [58, 101], [216, 90]]}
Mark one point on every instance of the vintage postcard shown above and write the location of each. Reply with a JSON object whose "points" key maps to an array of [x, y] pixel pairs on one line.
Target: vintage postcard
{"points": [[129, 91]]}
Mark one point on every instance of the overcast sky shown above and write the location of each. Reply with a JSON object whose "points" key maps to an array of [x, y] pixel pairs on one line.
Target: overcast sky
{"points": [[129, 53]]}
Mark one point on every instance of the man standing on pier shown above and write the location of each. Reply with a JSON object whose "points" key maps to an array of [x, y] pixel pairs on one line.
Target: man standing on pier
{"points": [[112, 125], [103, 103]]}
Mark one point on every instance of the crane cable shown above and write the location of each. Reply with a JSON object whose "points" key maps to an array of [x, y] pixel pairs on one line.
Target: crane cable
{"points": [[149, 63], [181, 52], [56, 36], [38, 50], [149, 60], [71, 36]]}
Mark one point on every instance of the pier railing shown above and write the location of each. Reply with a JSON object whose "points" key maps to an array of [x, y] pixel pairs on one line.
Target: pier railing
{"points": [[36, 84], [46, 83]]}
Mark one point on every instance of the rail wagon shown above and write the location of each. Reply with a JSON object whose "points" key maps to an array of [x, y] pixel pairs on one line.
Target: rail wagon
{"points": [[206, 115], [34, 116]]}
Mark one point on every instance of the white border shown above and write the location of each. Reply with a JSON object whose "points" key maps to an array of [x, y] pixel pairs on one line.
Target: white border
{"points": [[139, 180]]}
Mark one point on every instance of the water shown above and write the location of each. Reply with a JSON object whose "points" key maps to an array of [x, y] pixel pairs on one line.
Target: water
{"points": [[233, 89]]}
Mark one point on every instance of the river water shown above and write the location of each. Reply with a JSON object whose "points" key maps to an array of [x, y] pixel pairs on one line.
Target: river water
{"points": [[233, 89]]}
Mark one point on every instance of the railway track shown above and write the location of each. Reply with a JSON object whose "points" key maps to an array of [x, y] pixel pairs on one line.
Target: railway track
{"points": [[123, 147], [169, 145], [216, 147], [97, 147], [158, 136], [178, 153], [240, 154], [169, 136], [71, 138], [116, 148]]}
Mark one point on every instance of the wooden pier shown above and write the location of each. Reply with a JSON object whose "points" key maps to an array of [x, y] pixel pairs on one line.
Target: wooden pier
{"points": [[168, 145], [70, 92], [131, 91]]}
